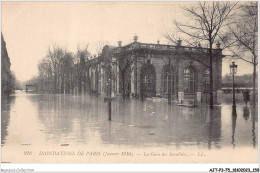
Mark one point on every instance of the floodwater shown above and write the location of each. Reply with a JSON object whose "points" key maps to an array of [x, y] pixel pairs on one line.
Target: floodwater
{"points": [[58, 120]]}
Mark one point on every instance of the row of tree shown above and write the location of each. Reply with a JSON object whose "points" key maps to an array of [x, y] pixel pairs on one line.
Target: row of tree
{"points": [[62, 71], [240, 80]]}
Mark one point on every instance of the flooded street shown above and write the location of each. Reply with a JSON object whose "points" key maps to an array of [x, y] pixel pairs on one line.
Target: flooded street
{"points": [[72, 121]]}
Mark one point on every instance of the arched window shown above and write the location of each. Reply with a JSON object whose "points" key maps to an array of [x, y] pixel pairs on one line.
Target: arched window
{"points": [[189, 80], [167, 80], [148, 79]]}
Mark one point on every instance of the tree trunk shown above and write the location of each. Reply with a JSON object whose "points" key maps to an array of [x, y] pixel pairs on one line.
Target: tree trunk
{"points": [[85, 83], [254, 82], [80, 84], [55, 84], [170, 84], [135, 73], [123, 88], [211, 74], [64, 85], [97, 82]]}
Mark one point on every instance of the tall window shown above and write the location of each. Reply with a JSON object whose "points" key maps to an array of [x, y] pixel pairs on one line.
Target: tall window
{"points": [[167, 81], [206, 81], [189, 80], [148, 81]]}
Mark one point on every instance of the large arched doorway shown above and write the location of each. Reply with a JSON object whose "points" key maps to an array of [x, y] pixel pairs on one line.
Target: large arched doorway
{"points": [[148, 78]]}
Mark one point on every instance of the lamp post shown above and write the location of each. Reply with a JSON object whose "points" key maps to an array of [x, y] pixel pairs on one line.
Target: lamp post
{"points": [[109, 102], [109, 88], [233, 70], [108, 98], [109, 93]]}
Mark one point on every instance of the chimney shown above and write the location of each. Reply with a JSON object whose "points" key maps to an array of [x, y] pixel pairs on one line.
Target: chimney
{"points": [[218, 45], [158, 41], [179, 42], [119, 43], [135, 38]]}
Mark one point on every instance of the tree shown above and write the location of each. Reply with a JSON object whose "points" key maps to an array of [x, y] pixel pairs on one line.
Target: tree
{"points": [[66, 75], [80, 67], [126, 65], [125, 69], [99, 48], [118, 64], [207, 23], [61, 71], [45, 73], [245, 34], [54, 57]]}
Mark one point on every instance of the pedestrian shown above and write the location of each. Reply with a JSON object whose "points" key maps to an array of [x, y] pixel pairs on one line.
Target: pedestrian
{"points": [[246, 96], [246, 113]]}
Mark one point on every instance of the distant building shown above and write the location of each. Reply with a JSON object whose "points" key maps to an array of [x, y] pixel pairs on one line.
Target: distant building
{"points": [[6, 77], [154, 70]]}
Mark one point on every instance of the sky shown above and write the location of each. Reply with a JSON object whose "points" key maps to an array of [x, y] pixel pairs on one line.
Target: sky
{"points": [[30, 28]]}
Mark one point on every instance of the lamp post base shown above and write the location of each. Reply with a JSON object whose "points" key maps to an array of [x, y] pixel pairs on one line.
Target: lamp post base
{"points": [[109, 110], [234, 110]]}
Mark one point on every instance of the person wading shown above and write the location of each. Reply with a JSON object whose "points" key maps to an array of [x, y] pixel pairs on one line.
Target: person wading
{"points": [[246, 96]]}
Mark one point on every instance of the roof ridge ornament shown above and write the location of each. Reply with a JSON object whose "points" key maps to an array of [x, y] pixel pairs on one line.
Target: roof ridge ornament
{"points": [[119, 43], [135, 38], [218, 45], [179, 42]]}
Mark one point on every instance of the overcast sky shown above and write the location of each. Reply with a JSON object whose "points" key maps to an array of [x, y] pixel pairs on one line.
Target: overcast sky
{"points": [[29, 28]]}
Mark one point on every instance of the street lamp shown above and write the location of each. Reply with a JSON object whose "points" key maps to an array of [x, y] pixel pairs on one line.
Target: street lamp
{"points": [[108, 90], [233, 71]]}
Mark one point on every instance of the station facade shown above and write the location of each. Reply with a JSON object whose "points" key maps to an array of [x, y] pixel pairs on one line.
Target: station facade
{"points": [[142, 70]]}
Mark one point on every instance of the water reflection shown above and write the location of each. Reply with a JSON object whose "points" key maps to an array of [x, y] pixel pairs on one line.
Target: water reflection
{"points": [[73, 119], [253, 118], [246, 113], [159, 124], [234, 120], [214, 127], [68, 116], [6, 102]]}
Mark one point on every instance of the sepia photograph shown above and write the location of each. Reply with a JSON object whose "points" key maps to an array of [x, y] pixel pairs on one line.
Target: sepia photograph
{"points": [[129, 82]]}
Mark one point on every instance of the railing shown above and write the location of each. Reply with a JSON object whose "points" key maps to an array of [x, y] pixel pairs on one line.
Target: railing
{"points": [[158, 46], [162, 47]]}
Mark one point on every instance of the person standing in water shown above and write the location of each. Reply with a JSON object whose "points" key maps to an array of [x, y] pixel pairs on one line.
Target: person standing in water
{"points": [[246, 96]]}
